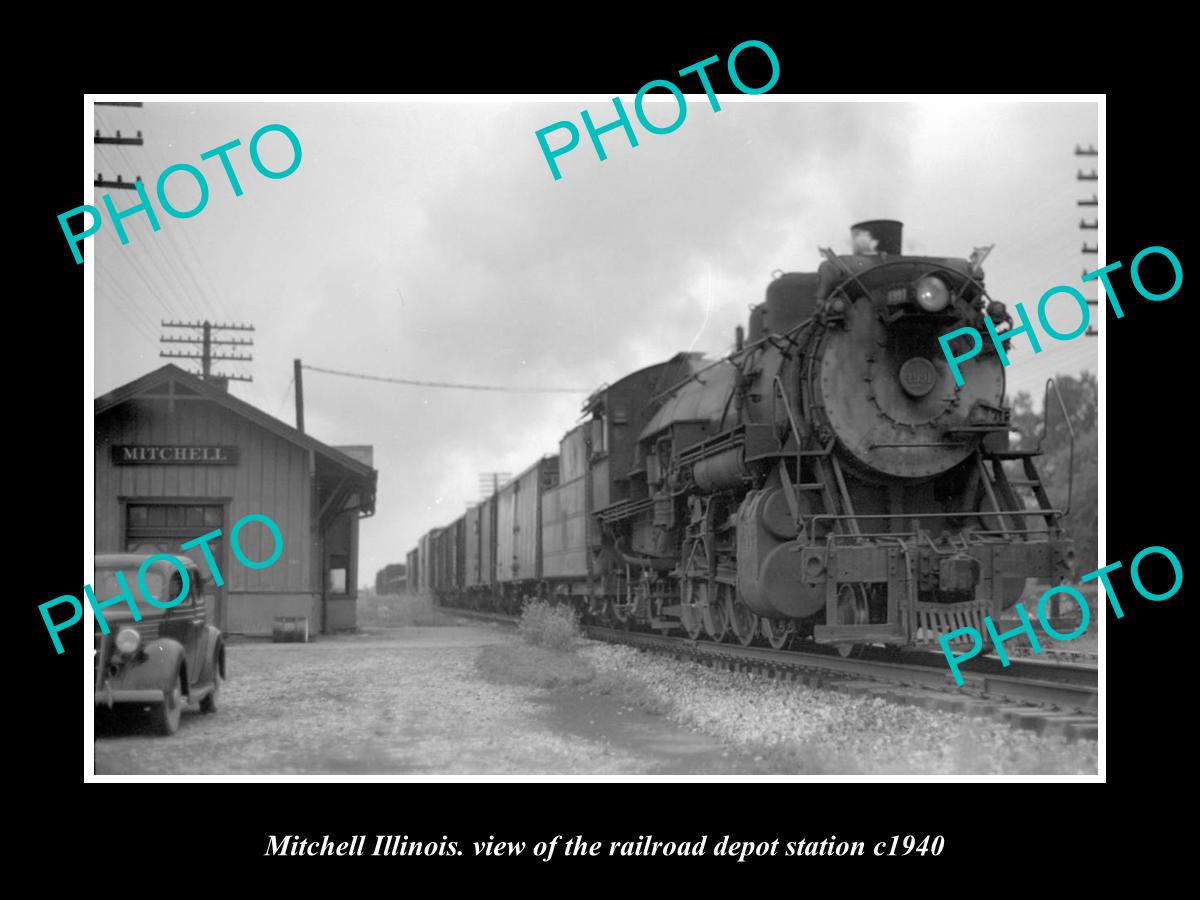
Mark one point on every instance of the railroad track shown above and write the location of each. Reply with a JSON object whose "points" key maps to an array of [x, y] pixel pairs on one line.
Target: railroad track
{"points": [[1049, 698]]}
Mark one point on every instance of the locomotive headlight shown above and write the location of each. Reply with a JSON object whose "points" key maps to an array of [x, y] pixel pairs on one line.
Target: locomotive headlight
{"points": [[932, 294], [128, 640]]}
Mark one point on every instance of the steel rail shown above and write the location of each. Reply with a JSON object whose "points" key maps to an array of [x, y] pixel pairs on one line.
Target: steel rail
{"points": [[1015, 688], [1019, 683]]}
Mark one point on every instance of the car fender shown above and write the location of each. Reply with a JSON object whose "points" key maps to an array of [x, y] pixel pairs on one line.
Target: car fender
{"points": [[152, 668]]}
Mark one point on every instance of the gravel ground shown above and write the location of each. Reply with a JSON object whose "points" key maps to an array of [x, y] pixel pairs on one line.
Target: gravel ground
{"points": [[801, 730], [398, 701], [413, 700]]}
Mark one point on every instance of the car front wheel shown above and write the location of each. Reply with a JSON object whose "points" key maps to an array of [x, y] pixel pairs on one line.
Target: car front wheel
{"points": [[168, 713]]}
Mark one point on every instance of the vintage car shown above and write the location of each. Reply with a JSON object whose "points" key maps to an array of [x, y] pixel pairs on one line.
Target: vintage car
{"points": [[171, 658]]}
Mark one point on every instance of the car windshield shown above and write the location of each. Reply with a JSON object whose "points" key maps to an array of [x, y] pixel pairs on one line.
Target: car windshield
{"points": [[108, 587]]}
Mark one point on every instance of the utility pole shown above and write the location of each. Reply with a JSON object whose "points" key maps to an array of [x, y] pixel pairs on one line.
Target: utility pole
{"points": [[491, 482], [125, 141], [299, 378], [207, 342], [1085, 225], [120, 183]]}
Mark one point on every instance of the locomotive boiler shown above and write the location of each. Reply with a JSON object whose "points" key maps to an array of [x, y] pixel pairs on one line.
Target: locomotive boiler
{"points": [[826, 480]]}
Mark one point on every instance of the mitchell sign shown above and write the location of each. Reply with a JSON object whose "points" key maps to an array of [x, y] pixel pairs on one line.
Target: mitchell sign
{"points": [[173, 454]]}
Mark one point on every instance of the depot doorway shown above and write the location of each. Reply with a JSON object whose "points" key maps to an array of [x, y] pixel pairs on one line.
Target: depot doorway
{"points": [[163, 527]]}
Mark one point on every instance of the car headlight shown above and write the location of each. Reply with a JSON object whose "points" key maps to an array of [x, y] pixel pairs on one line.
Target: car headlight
{"points": [[128, 640], [932, 294]]}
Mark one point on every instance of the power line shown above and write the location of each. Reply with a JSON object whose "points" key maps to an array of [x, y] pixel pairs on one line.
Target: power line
{"points": [[212, 296], [132, 315], [195, 296], [192, 293], [286, 392], [115, 296], [443, 384]]}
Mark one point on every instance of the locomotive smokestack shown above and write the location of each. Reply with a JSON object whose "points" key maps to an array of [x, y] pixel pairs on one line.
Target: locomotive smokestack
{"points": [[877, 236]]}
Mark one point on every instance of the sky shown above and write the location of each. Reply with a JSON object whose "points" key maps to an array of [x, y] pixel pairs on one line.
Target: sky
{"points": [[429, 241]]}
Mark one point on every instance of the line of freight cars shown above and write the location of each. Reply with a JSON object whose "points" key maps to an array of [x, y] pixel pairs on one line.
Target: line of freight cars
{"points": [[530, 539]]}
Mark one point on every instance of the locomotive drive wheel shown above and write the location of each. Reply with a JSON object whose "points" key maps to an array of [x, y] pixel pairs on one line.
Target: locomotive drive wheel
{"points": [[607, 619], [714, 615], [597, 610], [623, 611], [852, 610], [743, 622], [689, 611], [778, 632]]}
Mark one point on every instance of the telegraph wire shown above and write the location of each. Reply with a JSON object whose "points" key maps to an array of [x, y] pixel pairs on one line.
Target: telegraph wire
{"points": [[287, 393], [130, 315], [185, 301], [192, 296], [143, 273], [196, 297], [170, 307], [215, 297], [443, 384], [115, 292]]}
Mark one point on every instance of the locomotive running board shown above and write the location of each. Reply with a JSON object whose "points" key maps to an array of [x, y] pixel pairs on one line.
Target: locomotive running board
{"points": [[858, 634]]}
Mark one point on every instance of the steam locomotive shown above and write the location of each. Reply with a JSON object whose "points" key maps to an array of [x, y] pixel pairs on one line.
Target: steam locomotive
{"points": [[827, 480]]}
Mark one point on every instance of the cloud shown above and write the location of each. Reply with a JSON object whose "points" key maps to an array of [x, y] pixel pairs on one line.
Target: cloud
{"points": [[429, 241]]}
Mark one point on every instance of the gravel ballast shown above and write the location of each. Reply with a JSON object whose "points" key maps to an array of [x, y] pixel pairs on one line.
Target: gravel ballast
{"points": [[810, 731]]}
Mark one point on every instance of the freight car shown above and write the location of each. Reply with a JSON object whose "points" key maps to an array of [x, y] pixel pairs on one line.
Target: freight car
{"points": [[827, 480], [412, 583], [391, 579]]}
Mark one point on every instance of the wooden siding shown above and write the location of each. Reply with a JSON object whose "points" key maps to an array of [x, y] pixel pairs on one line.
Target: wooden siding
{"points": [[518, 522], [487, 541], [471, 535], [564, 532], [272, 477]]}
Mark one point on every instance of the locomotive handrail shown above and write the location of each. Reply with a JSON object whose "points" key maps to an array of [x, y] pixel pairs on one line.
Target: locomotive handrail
{"points": [[727, 358], [899, 259], [971, 538], [990, 490], [931, 515], [778, 383]]}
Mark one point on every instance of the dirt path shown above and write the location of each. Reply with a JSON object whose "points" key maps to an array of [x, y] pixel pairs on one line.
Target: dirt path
{"points": [[403, 701]]}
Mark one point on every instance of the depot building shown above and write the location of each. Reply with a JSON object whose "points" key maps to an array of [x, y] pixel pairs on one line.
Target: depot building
{"points": [[178, 457]]}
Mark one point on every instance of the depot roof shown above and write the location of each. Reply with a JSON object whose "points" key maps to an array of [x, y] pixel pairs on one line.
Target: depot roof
{"points": [[178, 384]]}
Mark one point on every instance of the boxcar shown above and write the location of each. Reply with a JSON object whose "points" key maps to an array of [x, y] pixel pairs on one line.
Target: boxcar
{"points": [[472, 576], [564, 511], [413, 569], [519, 522], [458, 556], [487, 542], [425, 562]]}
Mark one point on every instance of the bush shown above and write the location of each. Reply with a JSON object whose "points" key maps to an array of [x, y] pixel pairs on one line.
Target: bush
{"points": [[512, 663], [552, 627]]}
